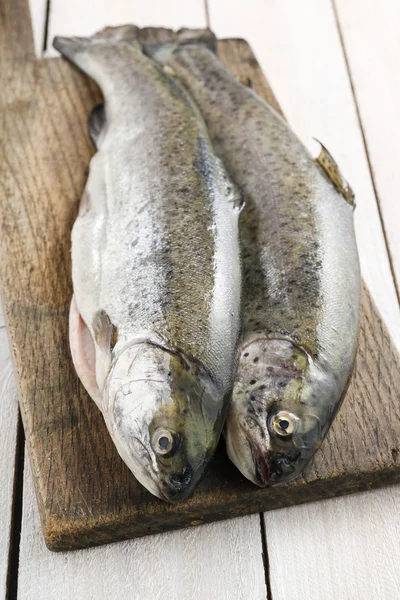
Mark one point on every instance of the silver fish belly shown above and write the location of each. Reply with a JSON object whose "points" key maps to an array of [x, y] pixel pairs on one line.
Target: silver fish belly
{"points": [[154, 321], [301, 280]]}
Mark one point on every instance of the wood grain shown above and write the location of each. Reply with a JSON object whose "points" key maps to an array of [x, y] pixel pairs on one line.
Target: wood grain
{"points": [[16, 38], [337, 549], [372, 45], [15, 48], [298, 46], [218, 561], [8, 441], [345, 548], [85, 493]]}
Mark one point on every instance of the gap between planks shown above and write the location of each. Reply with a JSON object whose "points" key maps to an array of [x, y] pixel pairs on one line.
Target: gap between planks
{"points": [[46, 27], [10, 475], [370, 37], [299, 50], [251, 40], [207, 11], [295, 44], [371, 170], [214, 562], [16, 515], [239, 541]]}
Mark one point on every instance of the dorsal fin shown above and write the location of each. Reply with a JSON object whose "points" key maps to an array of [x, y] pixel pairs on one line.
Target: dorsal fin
{"points": [[169, 71], [202, 37], [245, 80], [332, 171], [184, 37]]}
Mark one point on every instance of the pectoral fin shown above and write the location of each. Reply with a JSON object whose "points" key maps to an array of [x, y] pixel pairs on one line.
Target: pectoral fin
{"points": [[234, 194], [83, 352], [97, 120], [246, 81], [91, 355], [169, 71], [104, 331], [331, 170], [105, 337]]}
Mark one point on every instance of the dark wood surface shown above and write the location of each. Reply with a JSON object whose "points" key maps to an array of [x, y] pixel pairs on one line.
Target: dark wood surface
{"points": [[86, 494]]}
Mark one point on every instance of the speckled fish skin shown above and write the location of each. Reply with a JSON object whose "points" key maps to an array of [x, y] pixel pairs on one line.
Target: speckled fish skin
{"points": [[156, 268], [301, 277]]}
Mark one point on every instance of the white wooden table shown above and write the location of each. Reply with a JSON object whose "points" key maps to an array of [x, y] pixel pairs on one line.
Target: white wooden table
{"points": [[335, 68]]}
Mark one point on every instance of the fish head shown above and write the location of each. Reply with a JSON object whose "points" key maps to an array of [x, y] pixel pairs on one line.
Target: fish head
{"points": [[279, 413], [164, 417]]}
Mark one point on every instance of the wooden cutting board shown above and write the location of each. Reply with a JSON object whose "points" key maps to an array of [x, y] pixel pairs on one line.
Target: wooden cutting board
{"points": [[86, 494]]}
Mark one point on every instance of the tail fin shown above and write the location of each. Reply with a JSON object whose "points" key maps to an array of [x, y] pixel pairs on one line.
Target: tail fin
{"points": [[74, 47], [183, 37], [202, 37]]}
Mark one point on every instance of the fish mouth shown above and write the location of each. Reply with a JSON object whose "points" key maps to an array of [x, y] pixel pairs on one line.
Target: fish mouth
{"points": [[285, 468], [262, 466], [179, 486]]}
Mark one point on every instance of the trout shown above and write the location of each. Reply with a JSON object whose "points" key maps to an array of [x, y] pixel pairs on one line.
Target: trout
{"points": [[154, 320], [301, 274]]}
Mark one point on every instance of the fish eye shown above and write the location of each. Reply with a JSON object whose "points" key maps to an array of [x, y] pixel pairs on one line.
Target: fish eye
{"points": [[164, 441], [283, 423]]}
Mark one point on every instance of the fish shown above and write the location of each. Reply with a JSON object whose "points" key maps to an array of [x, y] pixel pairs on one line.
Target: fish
{"points": [[155, 315], [301, 272]]}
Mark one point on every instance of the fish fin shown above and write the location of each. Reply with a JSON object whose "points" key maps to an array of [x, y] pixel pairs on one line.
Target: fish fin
{"points": [[97, 120], [246, 81], [83, 352], [169, 71], [238, 199], [106, 336], [103, 330], [76, 48], [159, 35], [202, 37], [331, 170], [183, 37], [233, 192]]}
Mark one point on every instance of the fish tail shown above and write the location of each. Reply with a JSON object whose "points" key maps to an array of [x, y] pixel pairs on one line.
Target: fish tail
{"points": [[202, 37], [76, 49], [183, 37]]}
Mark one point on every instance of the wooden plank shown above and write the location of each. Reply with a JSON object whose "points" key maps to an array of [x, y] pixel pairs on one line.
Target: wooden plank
{"points": [[371, 41], [94, 15], [191, 564], [324, 550], [298, 46], [229, 554], [16, 40], [18, 46], [86, 494], [345, 548], [8, 440]]}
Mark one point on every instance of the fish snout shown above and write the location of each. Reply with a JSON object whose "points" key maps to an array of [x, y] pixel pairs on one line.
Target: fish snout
{"points": [[179, 485], [283, 468]]}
